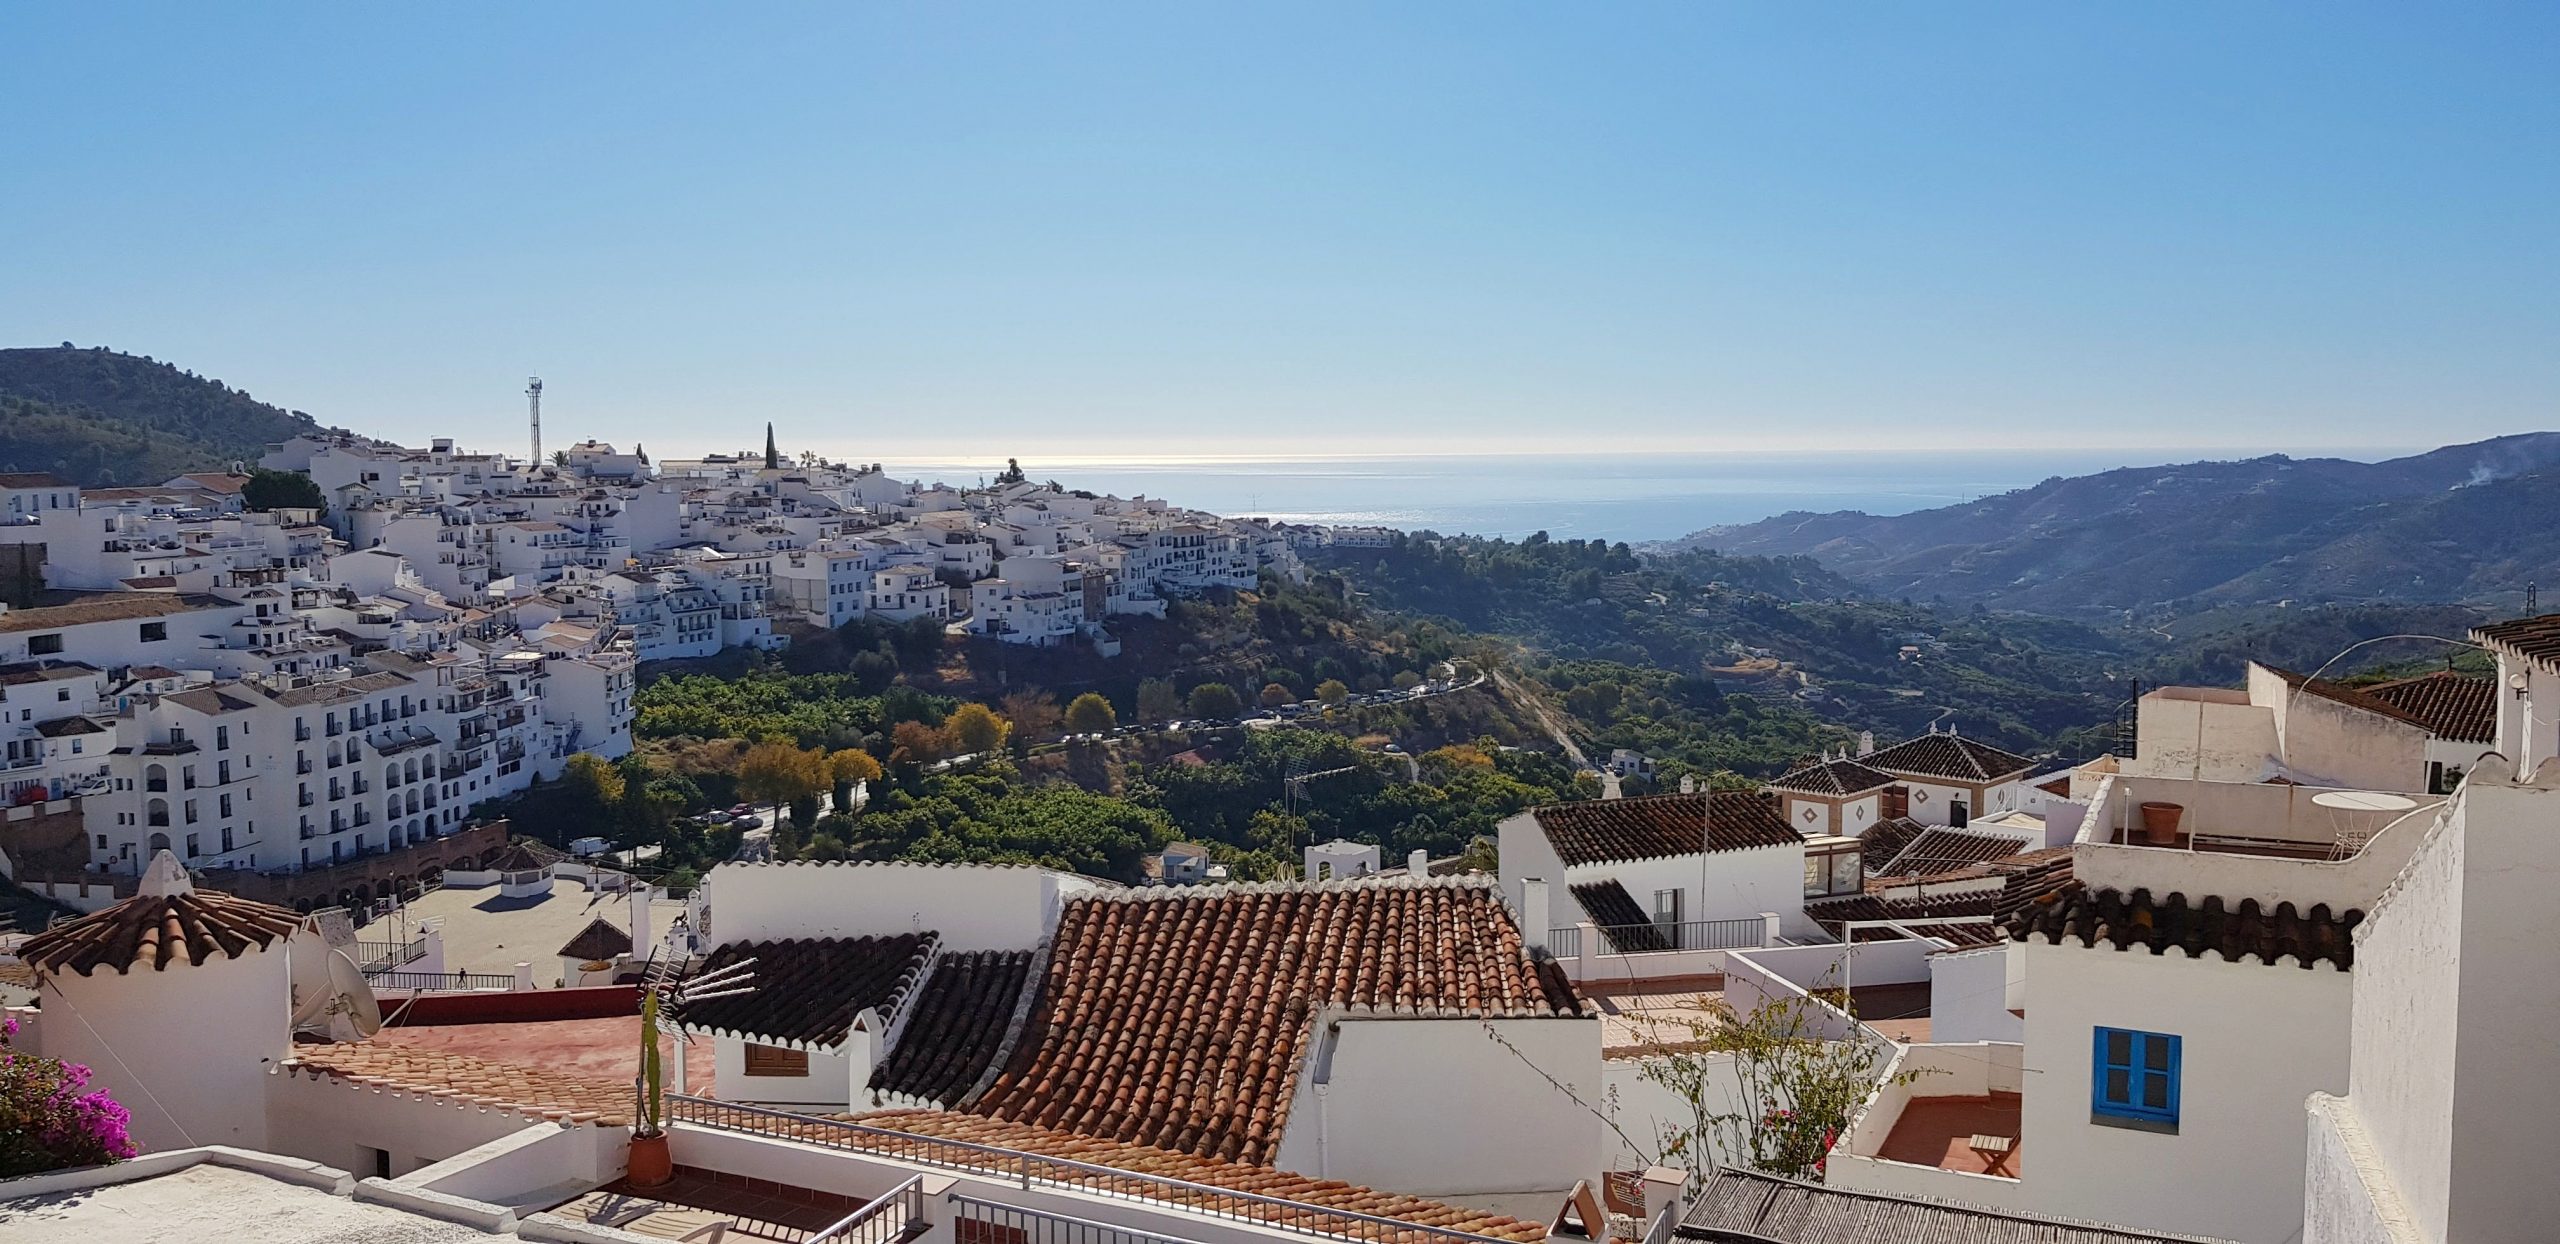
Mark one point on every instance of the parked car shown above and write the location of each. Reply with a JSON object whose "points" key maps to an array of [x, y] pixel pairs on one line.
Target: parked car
{"points": [[716, 817], [749, 821]]}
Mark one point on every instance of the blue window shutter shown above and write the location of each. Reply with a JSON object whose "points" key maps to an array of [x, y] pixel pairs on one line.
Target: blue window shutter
{"points": [[2134, 1074]]}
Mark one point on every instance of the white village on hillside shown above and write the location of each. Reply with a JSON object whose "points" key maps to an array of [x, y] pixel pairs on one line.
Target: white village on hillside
{"points": [[2265, 976]]}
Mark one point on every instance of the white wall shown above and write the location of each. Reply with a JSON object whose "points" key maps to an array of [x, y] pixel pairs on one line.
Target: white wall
{"points": [[531, 1165], [1434, 1107], [2451, 1083], [1736, 884], [2256, 1041], [1939, 1069], [2328, 743], [340, 1124], [830, 1081], [973, 907], [2348, 1194], [2205, 733], [185, 1050], [1969, 996]]}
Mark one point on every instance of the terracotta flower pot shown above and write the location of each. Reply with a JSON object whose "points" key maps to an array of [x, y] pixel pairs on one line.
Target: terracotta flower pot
{"points": [[651, 1163], [2160, 823]]}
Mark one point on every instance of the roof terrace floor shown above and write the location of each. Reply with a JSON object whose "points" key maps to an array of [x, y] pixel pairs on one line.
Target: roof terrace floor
{"points": [[603, 1049], [757, 1209], [1936, 1131]]}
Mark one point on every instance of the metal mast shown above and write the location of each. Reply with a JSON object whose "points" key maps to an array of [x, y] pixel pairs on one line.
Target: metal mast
{"points": [[533, 398]]}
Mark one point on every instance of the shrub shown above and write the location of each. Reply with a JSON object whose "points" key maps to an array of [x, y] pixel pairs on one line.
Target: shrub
{"points": [[47, 1120]]}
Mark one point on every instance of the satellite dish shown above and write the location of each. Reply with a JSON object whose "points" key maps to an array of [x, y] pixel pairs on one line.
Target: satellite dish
{"points": [[343, 1007]]}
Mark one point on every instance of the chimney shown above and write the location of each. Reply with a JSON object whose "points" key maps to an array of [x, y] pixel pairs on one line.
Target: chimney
{"points": [[1533, 912], [1418, 864], [1866, 744], [639, 918]]}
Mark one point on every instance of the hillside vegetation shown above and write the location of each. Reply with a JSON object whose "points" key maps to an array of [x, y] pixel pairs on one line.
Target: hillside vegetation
{"points": [[2438, 526], [99, 417]]}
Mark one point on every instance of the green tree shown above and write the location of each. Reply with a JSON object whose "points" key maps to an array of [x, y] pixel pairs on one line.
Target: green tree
{"points": [[281, 490], [1215, 701], [975, 729], [1274, 695], [777, 773], [846, 766], [1769, 1090], [1158, 701], [1333, 692], [1091, 714]]}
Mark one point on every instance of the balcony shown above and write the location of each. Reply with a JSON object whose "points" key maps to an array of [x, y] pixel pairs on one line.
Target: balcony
{"points": [[2276, 843], [1918, 1137]]}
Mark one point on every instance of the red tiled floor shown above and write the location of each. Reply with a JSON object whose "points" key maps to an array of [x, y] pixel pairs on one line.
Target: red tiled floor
{"points": [[596, 1049], [1933, 1130]]}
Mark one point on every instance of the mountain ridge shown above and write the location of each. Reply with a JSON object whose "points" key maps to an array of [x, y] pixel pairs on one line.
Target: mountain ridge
{"points": [[97, 416], [2435, 526]]}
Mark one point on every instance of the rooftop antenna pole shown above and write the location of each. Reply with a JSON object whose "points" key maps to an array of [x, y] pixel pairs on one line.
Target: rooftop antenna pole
{"points": [[533, 398]]}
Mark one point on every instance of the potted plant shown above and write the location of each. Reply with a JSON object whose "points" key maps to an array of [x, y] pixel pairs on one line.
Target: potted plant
{"points": [[2160, 822], [651, 1162]]}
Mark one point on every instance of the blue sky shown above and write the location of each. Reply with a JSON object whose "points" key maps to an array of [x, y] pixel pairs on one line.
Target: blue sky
{"points": [[1306, 227]]}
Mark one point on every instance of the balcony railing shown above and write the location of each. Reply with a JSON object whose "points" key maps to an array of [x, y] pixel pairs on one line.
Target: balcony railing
{"points": [[884, 1219], [1632, 939], [1029, 1170], [384, 956], [993, 1220], [440, 982]]}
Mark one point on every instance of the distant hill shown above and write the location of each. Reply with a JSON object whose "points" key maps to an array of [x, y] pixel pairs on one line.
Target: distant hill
{"points": [[2460, 523], [98, 417]]}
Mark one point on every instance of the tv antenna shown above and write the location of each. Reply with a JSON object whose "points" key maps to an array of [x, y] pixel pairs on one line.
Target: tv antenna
{"points": [[533, 399]]}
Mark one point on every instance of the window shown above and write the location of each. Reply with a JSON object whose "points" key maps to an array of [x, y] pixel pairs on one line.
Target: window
{"points": [[44, 645], [773, 1060], [1666, 907], [2134, 1075], [154, 632], [1834, 869]]}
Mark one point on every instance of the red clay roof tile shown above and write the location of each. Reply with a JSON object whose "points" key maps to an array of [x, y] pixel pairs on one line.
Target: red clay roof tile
{"points": [[1652, 827], [1176, 1018]]}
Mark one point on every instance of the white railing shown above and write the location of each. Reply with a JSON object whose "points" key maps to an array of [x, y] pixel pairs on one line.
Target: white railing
{"points": [[886, 1218], [1031, 1170]]}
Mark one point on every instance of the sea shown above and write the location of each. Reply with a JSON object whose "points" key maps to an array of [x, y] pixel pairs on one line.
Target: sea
{"points": [[1634, 497]]}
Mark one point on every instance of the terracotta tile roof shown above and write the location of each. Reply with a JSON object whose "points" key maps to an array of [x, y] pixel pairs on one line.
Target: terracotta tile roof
{"points": [[2536, 639], [2024, 876], [1833, 777], [1215, 1172], [1177, 1017], [1735, 1205], [522, 858], [601, 939], [1878, 846], [151, 930], [1949, 756], [2452, 705], [809, 991], [33, 479], [2349, 696], [1946, 850], [1621, 920], [959, 1026], [1833, 914], [1653, 827], [464, 1079], [105, 607], [2238, 933]]}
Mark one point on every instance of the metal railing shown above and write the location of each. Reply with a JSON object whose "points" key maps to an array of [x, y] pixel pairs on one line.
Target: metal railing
{"points": [[1636, 939], [1033, 1170], [990, 1222], [886, 1217], [384, 956], [440, 982]]}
